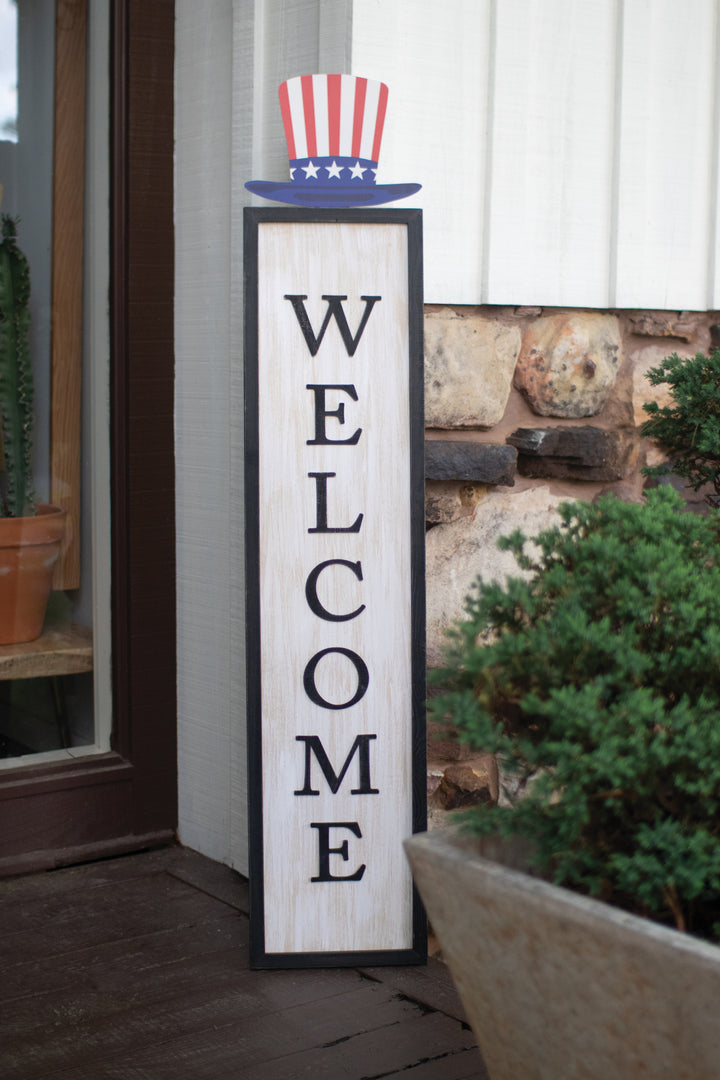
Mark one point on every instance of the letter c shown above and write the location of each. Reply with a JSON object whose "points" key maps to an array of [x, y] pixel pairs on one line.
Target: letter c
{"points": [[311, 590]]}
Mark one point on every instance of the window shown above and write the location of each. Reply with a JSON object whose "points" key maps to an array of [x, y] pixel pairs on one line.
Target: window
{"points": [[55, 688]]}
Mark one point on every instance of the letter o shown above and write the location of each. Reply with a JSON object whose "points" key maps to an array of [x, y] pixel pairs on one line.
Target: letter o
{"points": [[309, 678]]}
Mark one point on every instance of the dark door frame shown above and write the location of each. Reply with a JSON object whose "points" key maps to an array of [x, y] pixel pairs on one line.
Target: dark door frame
{"points": [[70, 811]]}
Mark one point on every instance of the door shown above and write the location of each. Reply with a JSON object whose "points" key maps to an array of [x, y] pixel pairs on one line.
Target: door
{"points": [[87, 710]]}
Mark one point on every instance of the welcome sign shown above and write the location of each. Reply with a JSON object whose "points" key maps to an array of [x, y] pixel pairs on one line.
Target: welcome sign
{"points": [[335, 519]]}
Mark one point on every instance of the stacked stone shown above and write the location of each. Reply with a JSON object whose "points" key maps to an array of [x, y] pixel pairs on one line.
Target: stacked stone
{"points": [[526, 408]]}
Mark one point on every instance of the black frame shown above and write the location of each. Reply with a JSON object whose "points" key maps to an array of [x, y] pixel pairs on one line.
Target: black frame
{"points": [[253, 217]]}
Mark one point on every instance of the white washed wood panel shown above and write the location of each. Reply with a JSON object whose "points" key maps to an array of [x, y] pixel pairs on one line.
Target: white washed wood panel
{"points": [[372, 478], [666, 203], [434, 58], [549, 232]]}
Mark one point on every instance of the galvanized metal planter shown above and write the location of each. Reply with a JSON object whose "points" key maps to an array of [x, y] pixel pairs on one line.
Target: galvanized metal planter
{"points": [[556, 985]]}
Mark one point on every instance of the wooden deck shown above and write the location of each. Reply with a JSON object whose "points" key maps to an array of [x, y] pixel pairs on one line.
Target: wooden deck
{"points": [[136, 968]]}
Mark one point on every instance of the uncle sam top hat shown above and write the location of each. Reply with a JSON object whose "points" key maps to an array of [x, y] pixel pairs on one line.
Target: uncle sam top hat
{"points": [[333, 128]]}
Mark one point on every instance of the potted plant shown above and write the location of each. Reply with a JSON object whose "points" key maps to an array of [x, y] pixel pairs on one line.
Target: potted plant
{"points": [[595, 678], [688, 428], [30, 533]]}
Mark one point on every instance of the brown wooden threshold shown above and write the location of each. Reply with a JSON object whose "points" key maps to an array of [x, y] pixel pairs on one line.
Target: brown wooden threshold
{"points": [[35, 861]]}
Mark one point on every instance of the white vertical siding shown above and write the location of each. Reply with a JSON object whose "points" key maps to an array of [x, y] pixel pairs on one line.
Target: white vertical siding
{"points": [[202, 414], [666, 202], [568, 149], [550, 215], [435, 60], [713, 301]]}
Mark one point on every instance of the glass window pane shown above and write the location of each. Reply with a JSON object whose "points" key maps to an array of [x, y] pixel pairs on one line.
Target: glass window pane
{"points": [[54, 698]]}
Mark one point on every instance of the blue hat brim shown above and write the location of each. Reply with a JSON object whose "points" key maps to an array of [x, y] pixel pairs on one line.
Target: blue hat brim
{"points": [[333, 196]]}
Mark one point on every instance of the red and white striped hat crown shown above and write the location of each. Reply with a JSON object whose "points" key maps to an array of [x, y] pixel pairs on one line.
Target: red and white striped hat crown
{"points": [[336, 116], [333, 128]]}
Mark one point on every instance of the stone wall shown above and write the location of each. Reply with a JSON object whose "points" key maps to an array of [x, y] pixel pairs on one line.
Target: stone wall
{"points": [[526, 408]]}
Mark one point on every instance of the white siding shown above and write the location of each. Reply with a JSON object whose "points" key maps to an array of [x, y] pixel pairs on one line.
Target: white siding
{"points": [[436, 66], [668, 187], [202, 413], [568, 149], [549, 233]]}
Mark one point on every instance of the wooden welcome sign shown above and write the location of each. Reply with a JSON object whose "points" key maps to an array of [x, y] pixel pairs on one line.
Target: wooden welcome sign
{"points": [[335, 621]]}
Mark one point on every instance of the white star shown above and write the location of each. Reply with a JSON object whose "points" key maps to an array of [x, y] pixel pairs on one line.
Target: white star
{"points": [[357, 171], [310, 170], [334, 170], [292, 173]]}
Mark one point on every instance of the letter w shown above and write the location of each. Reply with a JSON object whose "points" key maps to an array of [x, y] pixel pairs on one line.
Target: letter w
{"points": [[334, 310], [314, 746]]}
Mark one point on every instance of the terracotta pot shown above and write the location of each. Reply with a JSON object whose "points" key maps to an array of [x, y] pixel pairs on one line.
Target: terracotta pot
{"points": [[29, 548], [557, 985]]}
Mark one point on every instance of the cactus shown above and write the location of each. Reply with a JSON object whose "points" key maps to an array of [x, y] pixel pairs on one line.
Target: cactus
{"points": [[17, 498]]}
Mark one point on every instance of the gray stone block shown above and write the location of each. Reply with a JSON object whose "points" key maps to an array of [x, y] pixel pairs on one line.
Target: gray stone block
{"points": [[574, 453], [483, 463]]}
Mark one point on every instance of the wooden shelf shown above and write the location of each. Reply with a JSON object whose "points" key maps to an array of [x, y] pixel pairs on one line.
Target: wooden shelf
{"points": [[66, 651]]}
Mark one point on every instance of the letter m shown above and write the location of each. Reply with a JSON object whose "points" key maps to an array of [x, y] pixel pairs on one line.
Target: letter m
{"points": [[314, 746], [334, 310]]}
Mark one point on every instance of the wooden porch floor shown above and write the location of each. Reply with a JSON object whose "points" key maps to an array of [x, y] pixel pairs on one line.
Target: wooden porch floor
{"points": [[136, 968]]}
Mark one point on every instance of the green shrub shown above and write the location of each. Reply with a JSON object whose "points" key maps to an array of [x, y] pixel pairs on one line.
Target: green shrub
{"points": [[689, 428], [596, 679]]}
